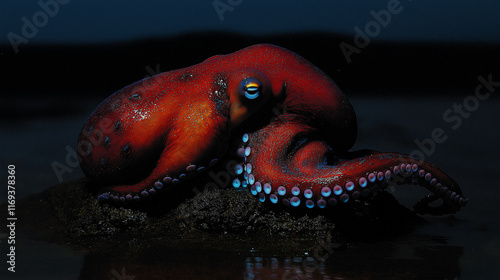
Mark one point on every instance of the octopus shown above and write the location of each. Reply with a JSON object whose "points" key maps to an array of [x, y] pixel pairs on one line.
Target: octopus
{"points": [[152, 136]]}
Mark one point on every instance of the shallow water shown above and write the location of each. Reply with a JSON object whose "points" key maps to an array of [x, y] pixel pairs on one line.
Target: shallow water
{"points": [[464, 246]]}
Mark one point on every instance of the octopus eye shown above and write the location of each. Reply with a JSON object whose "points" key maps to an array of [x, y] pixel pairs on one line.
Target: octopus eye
{"points": [[251, 88]]}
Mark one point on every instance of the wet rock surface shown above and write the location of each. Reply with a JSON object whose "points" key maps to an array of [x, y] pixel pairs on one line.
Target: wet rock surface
{"points": [[218, 218]]}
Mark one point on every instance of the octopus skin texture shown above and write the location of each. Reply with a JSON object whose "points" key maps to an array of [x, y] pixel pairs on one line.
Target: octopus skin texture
{"points": [[154, 134]]}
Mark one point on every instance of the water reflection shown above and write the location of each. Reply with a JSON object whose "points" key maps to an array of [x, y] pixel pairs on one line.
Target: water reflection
{"points": [[414, 257], [410, 257], [286, 268]]}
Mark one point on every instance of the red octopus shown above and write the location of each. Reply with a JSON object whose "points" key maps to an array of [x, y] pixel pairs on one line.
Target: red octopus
{"points": [[149, 136]]}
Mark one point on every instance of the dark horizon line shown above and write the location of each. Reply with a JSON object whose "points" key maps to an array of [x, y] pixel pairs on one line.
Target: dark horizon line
{"points": [[346, 37], [377, 65]]}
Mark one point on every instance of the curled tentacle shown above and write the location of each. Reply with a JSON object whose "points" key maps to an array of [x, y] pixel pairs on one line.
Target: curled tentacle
{"points": [[287, 163]]}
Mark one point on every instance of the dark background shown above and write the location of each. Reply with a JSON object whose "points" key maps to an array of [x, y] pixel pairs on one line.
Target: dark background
{"points": [[91, 47], [423, 62]]}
